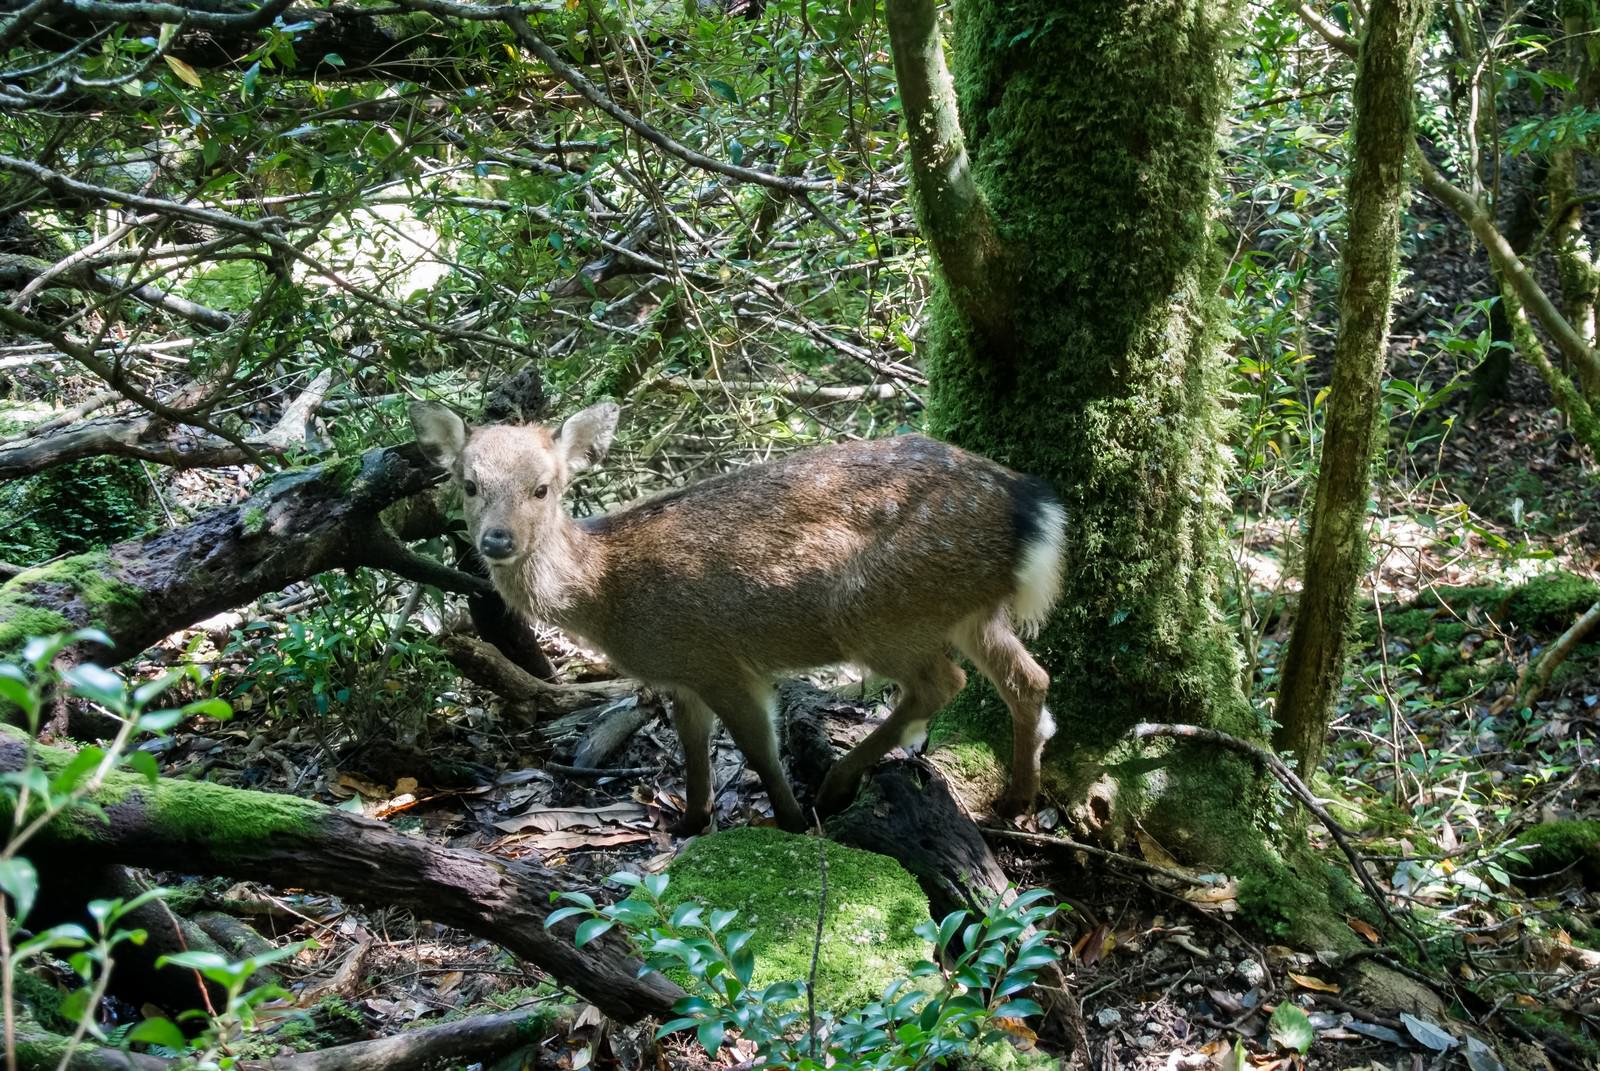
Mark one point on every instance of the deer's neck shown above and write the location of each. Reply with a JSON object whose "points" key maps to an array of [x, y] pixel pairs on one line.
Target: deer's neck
{"points": [[558, 582]]}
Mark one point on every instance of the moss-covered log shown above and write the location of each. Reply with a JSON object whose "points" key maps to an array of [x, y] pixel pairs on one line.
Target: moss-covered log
{"points": [[1336, 552], [200, 827], [295, 525]]}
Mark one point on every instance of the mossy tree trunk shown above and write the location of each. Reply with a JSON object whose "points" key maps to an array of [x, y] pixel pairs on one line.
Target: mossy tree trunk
{"points": [[1336, 554], [1574, 257], [1073, 335]]}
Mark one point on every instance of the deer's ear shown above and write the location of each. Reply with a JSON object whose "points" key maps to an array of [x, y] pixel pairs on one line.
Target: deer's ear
{"points": [[441, 434], [587, 435]]}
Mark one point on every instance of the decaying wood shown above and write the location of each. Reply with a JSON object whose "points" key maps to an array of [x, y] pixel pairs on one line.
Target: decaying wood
{"points": [[612, 728], [207, 828], [485, 665]]}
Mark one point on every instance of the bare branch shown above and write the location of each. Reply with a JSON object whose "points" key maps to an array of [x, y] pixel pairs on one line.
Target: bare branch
{"points": [[25, 272], [518, 22]]}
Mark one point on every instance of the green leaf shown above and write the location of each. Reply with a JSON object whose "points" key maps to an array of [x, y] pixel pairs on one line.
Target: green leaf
{"points": [[159, 721], [144, 764], [592, 929], [159, 1031], [561, 915], [723, 90], [98, 684], [75, 770], [1291, 1028], [710, 1035], [20, 881], [720, 919]]}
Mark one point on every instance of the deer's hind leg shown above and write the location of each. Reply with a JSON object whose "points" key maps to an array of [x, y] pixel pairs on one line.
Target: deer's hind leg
{"points": [[925, 686], [991, 644]]}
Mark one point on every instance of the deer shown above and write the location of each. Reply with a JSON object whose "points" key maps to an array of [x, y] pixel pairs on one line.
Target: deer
{"points": [[891, 554]]}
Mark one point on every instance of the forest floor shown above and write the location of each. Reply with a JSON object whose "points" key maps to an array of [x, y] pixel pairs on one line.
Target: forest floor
{"points": [[1165, 981], [1430, 750]]}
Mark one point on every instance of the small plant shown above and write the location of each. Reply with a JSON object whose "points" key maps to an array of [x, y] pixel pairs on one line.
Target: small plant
{"points": [[940, 1011], [38, 795]]}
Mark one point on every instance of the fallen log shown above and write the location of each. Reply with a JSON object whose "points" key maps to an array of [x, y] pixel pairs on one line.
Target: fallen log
{"points": [[295, 525], [462, 1041], [195, 826]]}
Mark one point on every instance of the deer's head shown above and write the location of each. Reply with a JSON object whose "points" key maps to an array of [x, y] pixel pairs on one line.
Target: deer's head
{"points": [[512, 476]]}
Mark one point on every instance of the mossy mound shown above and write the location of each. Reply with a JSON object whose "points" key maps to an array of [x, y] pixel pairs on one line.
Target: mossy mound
{"points": [[1553, 848], [773, 880], [1455, 632]]}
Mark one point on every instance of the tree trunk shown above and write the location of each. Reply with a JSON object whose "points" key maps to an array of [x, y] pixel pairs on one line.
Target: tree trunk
{"points": [[1336, 554], [1074, 336], [201, 827]]}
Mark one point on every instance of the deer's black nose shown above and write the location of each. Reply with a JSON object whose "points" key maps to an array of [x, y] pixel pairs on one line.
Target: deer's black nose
{"points": [[496, 543]]}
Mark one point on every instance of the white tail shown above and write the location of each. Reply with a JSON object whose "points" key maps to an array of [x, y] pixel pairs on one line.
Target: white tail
{"points": [[886, 554]]}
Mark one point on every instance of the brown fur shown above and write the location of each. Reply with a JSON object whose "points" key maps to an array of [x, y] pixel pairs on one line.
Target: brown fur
{"points": [[883, 554]]}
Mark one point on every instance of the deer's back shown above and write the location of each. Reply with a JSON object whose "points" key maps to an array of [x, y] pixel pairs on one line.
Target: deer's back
{"points": [[852, 552]]}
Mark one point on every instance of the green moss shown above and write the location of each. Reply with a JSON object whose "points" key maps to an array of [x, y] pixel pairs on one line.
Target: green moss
{"points": [[1554, 847], [255, 520], [42, 1001], [1454, 632], [773, 880], [232, 823], [86, 580]]}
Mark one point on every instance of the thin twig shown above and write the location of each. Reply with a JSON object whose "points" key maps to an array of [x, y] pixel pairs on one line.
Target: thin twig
{"points": [[816, 943]]}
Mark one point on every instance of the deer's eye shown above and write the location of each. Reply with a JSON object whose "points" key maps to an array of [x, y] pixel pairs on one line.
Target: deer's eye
{"points": [[542, 490], [471, 488]]}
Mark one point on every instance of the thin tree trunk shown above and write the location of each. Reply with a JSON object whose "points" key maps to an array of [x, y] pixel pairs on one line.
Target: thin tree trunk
{"points": [[1336, 554]]}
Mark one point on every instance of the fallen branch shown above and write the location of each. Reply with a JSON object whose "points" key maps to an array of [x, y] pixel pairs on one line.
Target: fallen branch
{"points": [[296, 525], [483, 664], [19, 272], [202, 827], [146, 437], [1539, 676]]}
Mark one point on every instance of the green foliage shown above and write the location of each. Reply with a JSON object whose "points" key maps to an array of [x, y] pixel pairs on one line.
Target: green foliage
{"points": [[40, 794], [73, 508], [942, 1011], [356, 656]]}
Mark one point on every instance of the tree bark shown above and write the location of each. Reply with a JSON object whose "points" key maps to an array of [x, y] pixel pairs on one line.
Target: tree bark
{"points": [[1090, 134], [1336, 553], [197, 826]]}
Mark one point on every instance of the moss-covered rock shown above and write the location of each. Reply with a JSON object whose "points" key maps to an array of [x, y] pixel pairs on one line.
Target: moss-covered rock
{"points": [[773, 880], [1455, 633], [1555, 847]]}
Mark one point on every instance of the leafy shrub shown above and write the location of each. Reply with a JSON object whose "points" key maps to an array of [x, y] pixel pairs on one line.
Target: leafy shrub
{"points": [[940, 1012]]}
